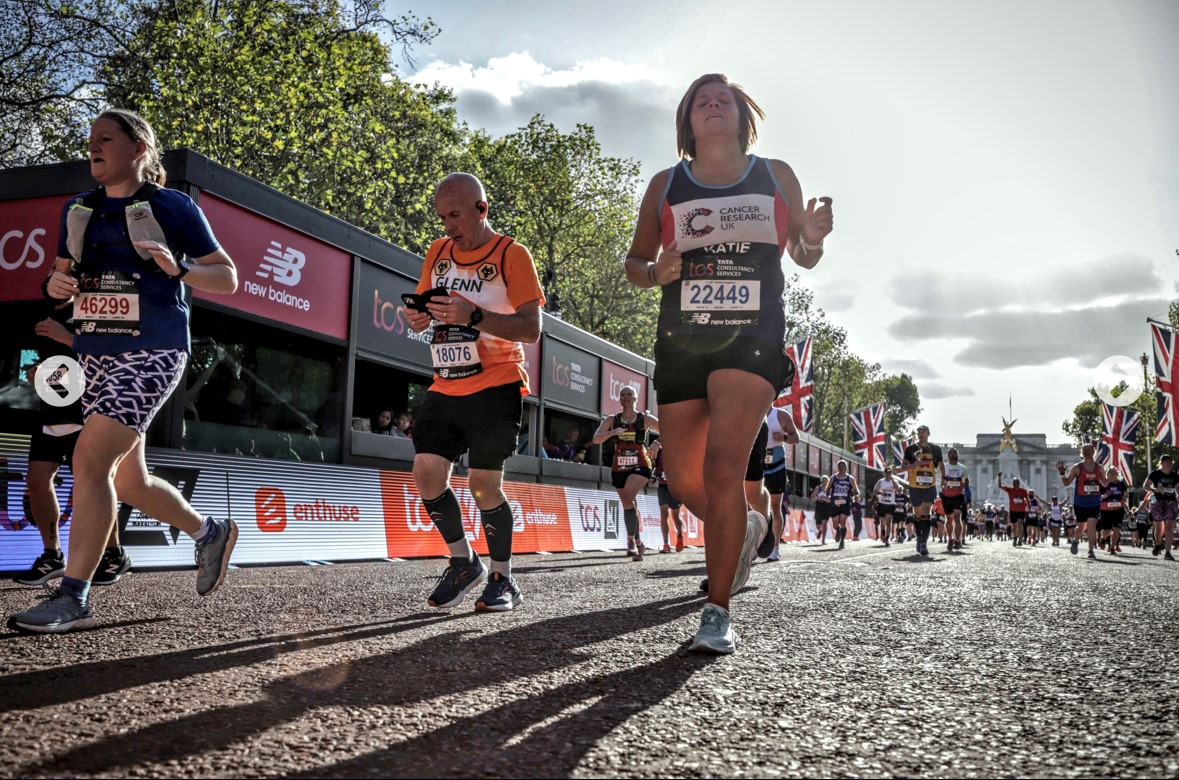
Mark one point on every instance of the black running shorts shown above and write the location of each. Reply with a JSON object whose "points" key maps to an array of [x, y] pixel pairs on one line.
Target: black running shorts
{"points": [[53, 449], [776, 482], [954, 504], [1017, 517], [667, 499], [919, 496], [485, 423], [683, 363], [1111, 519], [1084, 513], [618, 478]]}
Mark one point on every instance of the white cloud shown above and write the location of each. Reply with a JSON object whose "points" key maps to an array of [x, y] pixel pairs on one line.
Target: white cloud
{"points": [[917, 369], [935, 390], [510, 76], [1007, 339], [623, 102], [972, 289]]}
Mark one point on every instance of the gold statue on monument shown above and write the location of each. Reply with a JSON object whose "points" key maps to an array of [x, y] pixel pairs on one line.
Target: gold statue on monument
{"points": [[1008, 439]]}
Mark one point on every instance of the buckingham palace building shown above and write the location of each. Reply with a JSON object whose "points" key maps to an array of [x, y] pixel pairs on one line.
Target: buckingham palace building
{"points": [[1026, 455]]}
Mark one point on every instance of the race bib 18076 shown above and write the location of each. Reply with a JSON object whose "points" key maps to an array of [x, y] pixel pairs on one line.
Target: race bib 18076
{"points": [[455, 352]]}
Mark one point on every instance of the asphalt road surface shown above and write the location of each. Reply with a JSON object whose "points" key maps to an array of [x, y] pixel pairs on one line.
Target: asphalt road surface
{"points": [[866, 662]]}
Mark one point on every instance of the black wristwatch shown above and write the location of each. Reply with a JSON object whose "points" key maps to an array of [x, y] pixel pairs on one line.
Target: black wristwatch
{"points": [[183, 265], [476, 317]]}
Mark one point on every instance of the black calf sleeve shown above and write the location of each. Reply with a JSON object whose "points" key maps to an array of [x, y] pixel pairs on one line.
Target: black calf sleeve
{"points": [[447, 516], [497, 527]]}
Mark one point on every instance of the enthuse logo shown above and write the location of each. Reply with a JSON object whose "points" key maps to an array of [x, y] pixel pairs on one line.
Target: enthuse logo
{"points": [[270, 504]]}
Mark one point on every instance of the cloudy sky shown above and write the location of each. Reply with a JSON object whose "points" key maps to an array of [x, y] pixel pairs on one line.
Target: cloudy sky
{"points": [[1005, 174]]}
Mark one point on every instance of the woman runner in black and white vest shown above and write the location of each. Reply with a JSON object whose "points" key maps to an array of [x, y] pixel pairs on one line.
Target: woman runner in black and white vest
{"points": [[630, 468], [711, 233]]}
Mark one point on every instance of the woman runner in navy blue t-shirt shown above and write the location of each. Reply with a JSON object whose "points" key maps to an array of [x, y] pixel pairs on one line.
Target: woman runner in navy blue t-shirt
{"points": [[121, 258]]}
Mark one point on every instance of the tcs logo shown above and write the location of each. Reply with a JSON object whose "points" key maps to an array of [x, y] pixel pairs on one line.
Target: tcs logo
{"points": [[11, 244], [270, 504]]}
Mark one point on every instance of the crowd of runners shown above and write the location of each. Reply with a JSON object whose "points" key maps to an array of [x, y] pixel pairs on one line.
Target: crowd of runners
{"points": [[711, 235]]}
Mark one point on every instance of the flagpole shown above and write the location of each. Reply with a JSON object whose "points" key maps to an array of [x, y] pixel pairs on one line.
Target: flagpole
{"points": [[1166, 325], [1149, 433]]}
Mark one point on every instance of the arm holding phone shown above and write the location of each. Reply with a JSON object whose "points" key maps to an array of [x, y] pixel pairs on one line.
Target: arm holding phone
{"points": [[521, 325]]}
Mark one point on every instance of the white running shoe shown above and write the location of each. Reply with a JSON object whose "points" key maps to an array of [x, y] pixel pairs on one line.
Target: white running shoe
{"points": [[716, 634], [755, 530]]}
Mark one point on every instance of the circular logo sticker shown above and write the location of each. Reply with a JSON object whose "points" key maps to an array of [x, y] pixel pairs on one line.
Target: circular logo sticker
{"points": [[55, 375], [1114, 371]]}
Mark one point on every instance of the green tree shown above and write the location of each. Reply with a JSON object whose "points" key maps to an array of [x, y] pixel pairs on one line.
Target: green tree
{"points": [[844, 381], [902, 404], [1085, 423], [573, 207], [50, 55], [299, 94]]}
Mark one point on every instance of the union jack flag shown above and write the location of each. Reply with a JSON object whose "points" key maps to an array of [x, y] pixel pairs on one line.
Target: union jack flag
{"points": [[799, 398], [898, 449], [1166, 369], [868, 434], [1119, 427]]}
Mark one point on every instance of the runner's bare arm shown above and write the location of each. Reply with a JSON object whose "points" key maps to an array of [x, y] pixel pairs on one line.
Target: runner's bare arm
{"points": [[806, 222], [603, 433], [645, 264]]}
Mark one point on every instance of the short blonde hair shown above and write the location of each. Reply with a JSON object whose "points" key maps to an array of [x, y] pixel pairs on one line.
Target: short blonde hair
{"points": [[747, 107]]}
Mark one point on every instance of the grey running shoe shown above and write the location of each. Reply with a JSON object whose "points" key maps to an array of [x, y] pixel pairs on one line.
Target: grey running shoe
{"points": [[500, 595], [58, 613], [212, 556], [716, 634], [48, 566], [460, 578], [114, 564], [755, 530]]}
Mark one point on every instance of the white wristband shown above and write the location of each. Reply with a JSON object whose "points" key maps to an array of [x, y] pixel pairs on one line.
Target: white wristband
{"points": [[808, 248]]}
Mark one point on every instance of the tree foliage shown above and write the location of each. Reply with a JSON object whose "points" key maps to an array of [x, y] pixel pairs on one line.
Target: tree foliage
{"points": [[845, 382], [299, 95], [1086, 422], [574, 208]]}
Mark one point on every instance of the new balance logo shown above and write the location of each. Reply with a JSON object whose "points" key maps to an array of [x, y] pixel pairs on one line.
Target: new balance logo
{"points": [[284, 263]]}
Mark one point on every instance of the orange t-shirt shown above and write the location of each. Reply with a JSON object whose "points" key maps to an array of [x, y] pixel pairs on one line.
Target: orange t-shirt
{"points": [[497, 277]]}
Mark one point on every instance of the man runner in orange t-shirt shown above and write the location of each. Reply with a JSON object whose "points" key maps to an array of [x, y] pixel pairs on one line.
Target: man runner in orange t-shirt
{"points": [[492, 303]]}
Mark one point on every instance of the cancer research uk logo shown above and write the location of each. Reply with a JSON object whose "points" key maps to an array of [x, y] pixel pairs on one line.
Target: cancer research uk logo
{"points": [[59, 381], [282, 265]]}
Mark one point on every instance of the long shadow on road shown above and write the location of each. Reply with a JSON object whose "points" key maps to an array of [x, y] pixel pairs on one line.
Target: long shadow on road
{"points": [[400, 678]]}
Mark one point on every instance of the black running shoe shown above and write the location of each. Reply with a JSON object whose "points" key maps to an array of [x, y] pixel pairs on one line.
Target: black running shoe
{"points": [[1158, 548], [48, 566], [114, 564], [1168, 556]]}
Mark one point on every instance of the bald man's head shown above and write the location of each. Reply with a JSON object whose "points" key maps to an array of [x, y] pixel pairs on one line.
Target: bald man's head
{"points": [[462, 184], [461, 204]]}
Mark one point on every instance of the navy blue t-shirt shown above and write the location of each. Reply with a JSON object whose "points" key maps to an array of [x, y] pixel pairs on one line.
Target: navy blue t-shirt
{"points": [[163, 313]]}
